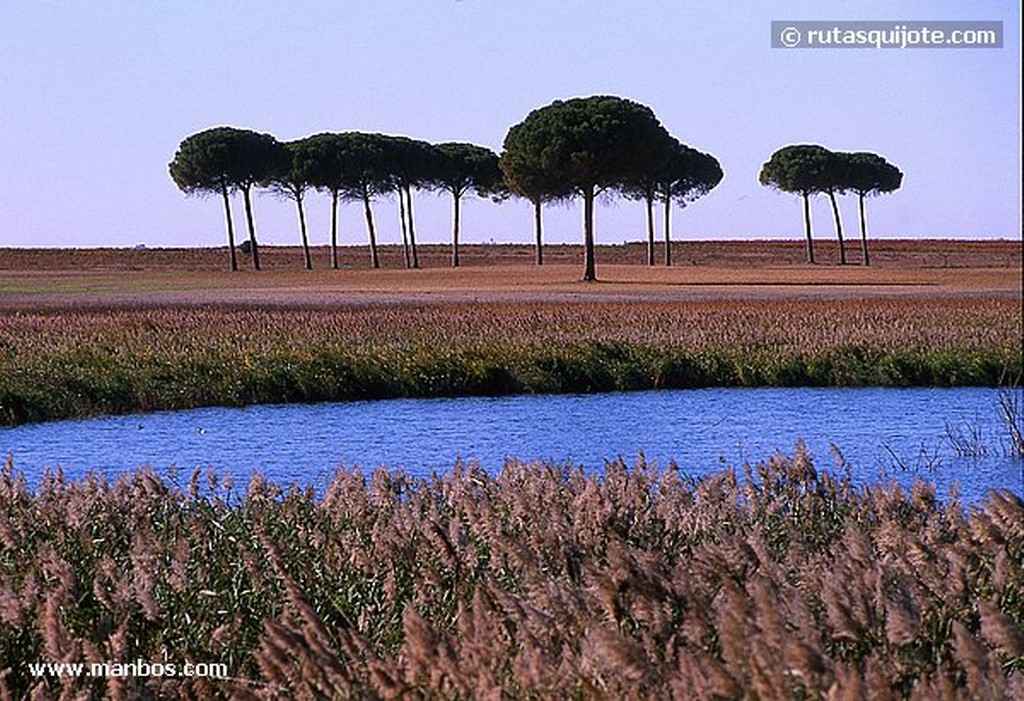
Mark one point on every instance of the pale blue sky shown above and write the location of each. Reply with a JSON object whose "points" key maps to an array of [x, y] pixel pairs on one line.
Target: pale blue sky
{"points": [[95, 97]]}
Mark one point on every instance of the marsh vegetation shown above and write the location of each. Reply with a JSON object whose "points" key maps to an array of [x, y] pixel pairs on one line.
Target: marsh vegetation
{"points": [[66, 363], [782, 581]]}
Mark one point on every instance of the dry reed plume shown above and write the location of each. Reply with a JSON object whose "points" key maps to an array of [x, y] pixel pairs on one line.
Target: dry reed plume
{"points": [[779, 582]]}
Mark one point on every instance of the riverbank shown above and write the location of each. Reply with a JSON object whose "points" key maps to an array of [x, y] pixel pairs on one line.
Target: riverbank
{"points": [[99, 332], [70, 363]]}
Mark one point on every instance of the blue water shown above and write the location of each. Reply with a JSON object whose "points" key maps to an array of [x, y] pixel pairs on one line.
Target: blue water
{"points": [[881, 433]]}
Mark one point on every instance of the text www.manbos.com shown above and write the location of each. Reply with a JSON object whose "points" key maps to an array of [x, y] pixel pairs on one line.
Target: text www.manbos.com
{"points": [[139, 668]]}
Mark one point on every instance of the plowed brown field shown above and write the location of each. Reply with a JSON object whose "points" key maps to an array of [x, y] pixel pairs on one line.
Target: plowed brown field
{"points": [[704, 270]]}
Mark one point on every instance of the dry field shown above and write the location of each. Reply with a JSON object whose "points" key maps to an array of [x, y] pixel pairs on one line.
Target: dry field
{"points": [[704, 271]]}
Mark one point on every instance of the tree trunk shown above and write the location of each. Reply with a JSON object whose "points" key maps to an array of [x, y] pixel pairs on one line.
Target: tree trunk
{"points": [[807, 229], [334, 229], [305, 236], [412, 230], [668, 231], [455, 230], [231, 228], [253, 246], [589, 268], [650, 228], [839, 228], [374, 260], [405, 228], [538, 229], [863, 229]]}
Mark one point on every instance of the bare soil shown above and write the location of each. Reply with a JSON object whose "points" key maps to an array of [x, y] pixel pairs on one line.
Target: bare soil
{"points": [[47, 278]]}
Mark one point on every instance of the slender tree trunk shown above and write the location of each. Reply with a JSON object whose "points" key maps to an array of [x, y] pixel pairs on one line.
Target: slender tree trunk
{"points": [[839, 228], [863, 229], [412, 230], [538, 230], [231, 228], [650, 228], [455, 230], [305, 235], [254, 247], [374, 260], [334, 229], [668, 231], [807, 229], [589, 267], [405, 227]]}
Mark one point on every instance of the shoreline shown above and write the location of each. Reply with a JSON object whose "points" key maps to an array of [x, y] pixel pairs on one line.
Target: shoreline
{"points": [[80, 336]]}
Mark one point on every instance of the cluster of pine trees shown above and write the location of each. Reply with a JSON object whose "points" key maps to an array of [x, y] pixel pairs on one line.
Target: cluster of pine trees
{"points": [[577, 148], [808, 169]]}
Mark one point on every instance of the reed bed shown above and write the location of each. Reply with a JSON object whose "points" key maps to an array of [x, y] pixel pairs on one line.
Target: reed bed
{"points": [[70, 363], [780, 581]]}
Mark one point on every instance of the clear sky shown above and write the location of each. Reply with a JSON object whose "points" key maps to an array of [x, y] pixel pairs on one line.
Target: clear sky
{"points": [[95, 97]]}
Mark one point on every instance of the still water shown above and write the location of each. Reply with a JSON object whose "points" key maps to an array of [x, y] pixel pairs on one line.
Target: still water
{"points": [[946, 436]]}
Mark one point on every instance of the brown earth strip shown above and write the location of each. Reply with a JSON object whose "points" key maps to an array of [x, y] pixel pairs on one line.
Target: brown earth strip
{"points": [[32, 278]]}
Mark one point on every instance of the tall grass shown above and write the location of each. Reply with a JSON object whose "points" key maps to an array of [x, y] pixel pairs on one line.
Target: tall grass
{"points": [[1011, 409], [76, 363], [782, 581]]}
